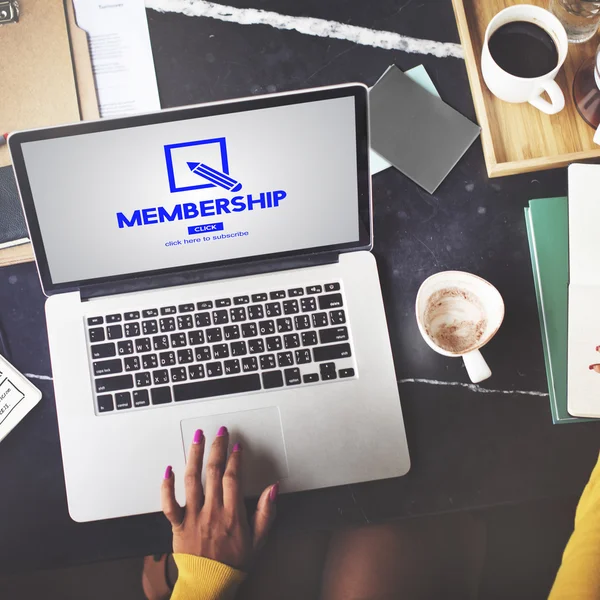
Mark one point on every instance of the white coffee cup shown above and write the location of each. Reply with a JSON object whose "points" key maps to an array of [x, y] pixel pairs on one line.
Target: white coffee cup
{"points": [[511, 88], [458, 313]]}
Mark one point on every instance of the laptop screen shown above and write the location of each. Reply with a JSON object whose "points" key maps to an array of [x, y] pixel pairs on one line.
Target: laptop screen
{"points": [[152, 197]]}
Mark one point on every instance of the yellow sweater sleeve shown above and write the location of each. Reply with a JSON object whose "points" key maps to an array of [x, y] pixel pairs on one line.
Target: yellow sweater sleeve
{"points": [[579, 574], [205, 579]]}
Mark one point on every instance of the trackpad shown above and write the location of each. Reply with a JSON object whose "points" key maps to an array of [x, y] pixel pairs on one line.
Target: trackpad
{"points": [[261, 435]]}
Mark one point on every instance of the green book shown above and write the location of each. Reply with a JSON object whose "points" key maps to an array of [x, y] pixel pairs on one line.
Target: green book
{"points": [[547, 223]]}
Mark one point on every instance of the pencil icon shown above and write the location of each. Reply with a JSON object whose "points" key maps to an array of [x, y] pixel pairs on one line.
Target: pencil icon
{"points": [[221, 179]]}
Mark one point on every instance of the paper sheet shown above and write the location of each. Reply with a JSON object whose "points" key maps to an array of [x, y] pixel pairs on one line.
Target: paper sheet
{"points": [[121, 55], [418, 75]]}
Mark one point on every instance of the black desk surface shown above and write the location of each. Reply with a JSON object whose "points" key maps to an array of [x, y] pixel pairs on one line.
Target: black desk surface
{"points": [[469, 449]]}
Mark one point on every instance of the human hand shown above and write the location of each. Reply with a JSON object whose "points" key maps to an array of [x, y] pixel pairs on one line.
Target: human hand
{"points": [[214, 523]]}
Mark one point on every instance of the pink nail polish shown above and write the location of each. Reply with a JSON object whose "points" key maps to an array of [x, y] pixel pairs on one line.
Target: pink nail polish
{"points": [[198, 436], [274, 492], [237, 447], [222, 431], [168, 472]]}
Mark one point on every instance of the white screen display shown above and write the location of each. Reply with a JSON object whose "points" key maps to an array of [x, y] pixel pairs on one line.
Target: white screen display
{"points": [[196, 191]]}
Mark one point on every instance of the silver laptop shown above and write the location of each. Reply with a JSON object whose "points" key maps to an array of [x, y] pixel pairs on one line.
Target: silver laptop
{"points": [[210, 266]]}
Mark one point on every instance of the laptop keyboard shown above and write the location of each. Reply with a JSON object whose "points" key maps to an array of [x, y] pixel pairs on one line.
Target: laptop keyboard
{"points": [[202, 350]]}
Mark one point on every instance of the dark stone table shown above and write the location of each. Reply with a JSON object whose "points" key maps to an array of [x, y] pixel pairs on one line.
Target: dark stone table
{"points": [[469, 449]]}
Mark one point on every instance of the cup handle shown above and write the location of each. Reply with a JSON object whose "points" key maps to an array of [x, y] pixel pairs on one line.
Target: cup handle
{"points": [[476, 366], [557, 98]]}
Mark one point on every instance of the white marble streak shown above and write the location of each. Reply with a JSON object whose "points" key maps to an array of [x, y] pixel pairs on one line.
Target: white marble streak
{"points": [[387, 40], [473, 387]]}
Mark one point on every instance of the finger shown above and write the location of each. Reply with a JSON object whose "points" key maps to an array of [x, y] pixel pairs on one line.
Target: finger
{"points": [[169, 504], [194, 494], [264, 516], [215, 467], [232, 483]]}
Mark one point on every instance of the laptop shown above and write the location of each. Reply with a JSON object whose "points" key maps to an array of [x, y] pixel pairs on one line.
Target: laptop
{"points": [[208, 266]]}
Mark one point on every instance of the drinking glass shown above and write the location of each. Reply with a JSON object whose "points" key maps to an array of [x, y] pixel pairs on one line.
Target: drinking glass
{"points": [[580, 18]]}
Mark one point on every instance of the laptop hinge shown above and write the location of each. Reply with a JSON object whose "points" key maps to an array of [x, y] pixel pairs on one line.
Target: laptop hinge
{"points": [[152, 282]]}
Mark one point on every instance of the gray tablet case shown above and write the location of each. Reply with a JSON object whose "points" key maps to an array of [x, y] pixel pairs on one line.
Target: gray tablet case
{"points": [[418, 133], [12, 221]]}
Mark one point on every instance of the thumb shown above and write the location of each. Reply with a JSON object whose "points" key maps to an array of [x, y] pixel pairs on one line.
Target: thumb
{"points": [[264, 515]]}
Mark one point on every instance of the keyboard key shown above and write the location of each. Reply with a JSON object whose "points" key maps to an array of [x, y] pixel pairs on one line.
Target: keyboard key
{"points": [[259, 298], [328, 371], [159, 377], [108, 367], [149, 361], [277, 295], [186, 308], [272, 379], [220, 350], [273, 309], [185, 356], [309, 338], [285, 359], [274, 343], [143, 345], [105, 403], [104, 350], [141, 398], [310, 378], [218, 387], [308, 304], [178, 340], [337, 317], [332, 287], [149, 327], [151, 312], [97, 334], [111, 384], [284, 325], [204, 305], [302, 356], [167, 359], [291, 341], [346, 373], [302, 322], [249, 364], [266, 327], [267, 361], [196, 371], [202, 319], [95, 321], [237, 314], [161, 395], [220, 317], [185, 322], [214, 369], [132, 316], [132, 329], [223, 302], [160, 342], [113, 332], [202, 353], [292, 377], [142, 379], [320, 319], [132, 363], [255, 312], [232, 367], [314, 289], [335, 334], [214, 335], [168, 310], [167, 324], [241, 300], [231, 332], [330, 301], [238, 349], [332, 352], [125, 348], [256, 346], [113, 318], [295, 292], [178, 374], [123, 400], [291, 307], [196, 338]]}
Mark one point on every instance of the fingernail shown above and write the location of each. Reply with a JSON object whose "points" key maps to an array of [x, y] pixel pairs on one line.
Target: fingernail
{"points": [[198, 436], [168, 472], [274, 492], [222, 431], [237, 447]]}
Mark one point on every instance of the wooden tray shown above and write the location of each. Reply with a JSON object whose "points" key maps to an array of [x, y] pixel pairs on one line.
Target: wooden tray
{"points": [[518, 138]]}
